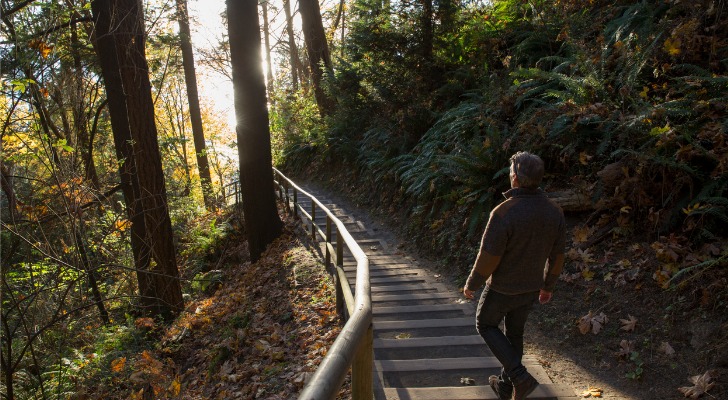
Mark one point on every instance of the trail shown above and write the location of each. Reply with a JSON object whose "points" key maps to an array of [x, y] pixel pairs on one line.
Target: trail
{"points": [[425, 342]]}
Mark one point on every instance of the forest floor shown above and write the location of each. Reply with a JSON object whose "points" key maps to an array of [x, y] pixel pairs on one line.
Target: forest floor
{"points": [[257, 330], [639, 342], [261, 329]]}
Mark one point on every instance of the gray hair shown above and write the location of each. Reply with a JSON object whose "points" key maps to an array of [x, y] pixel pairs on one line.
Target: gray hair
{"points": [[529, 169]]}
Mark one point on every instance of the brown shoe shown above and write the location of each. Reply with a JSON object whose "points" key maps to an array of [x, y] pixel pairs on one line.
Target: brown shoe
{"points": [[502, 389], [524, 387]]}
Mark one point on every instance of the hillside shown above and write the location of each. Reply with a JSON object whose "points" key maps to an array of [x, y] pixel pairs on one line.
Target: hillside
{"points": [[627, 104]]}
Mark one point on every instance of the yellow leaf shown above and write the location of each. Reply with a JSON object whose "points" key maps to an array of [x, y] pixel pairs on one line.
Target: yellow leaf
{"points": [[175, 387], [118, 364], [672, 46], [587, 274], [122, 225], [581, 234], [584, 158], [644, 92]]}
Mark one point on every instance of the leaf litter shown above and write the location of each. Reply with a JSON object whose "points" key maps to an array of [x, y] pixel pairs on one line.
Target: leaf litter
{"points": [[262, 334]]}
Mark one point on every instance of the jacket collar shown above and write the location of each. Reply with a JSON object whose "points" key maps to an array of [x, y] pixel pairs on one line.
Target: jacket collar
{"points": [[520, 192]]}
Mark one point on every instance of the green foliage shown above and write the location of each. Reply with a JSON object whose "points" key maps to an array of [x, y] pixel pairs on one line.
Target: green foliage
{"points": [[638, 364], [297, 133], [583, 86]]}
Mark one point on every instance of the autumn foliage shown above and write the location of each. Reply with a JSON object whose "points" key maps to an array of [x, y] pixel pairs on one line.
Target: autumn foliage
{"points": [[260, 335]]}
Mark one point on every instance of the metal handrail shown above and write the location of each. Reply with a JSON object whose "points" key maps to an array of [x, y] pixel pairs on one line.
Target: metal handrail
{"points": [[354, 345]]}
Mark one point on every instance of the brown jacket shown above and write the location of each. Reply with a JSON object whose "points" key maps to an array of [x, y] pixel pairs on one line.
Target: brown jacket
{"points": [[522, 249]]}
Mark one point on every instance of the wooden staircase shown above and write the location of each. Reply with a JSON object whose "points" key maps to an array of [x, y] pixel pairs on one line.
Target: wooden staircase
{"points": [[425, 342]]}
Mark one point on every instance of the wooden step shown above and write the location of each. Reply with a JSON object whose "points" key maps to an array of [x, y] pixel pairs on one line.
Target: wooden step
{"points": [[383, 273], [543, 391], [414, 287], [455, 308], [469, 340], [413, 297], [397, 280], [424, 323], [351, 267], [440, 364]]}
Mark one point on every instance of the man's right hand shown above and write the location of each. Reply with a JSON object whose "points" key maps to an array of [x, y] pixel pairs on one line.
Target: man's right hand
{"points": [[544, 296], [468, 293]]}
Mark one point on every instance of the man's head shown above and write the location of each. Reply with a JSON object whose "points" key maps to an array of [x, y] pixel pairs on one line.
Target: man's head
{"points": [[527, 169]]}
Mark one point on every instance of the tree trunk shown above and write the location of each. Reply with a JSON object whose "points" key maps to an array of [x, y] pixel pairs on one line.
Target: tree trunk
{"points": [[91, 275], [427, 34], [198, 135], [120, 35], [6, 184], [262, 222], [293, 48], [268, 64], [80, 120], [318, 52]]}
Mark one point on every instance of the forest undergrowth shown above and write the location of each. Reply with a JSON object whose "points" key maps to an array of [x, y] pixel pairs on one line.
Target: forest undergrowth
{"points": [[249, 330]]}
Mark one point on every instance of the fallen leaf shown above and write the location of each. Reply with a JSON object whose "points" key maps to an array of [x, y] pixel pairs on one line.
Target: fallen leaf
{"points": [[591, 322], [592, 392], [666, 348], [584, 158], [175, 387], [467, 381], [629, 324], [626, 347], [702, 383], [118, 364], [672, 46], [587, 274]]}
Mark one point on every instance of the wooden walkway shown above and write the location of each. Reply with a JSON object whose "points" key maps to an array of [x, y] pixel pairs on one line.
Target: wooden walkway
{"points": [[425, 342]]}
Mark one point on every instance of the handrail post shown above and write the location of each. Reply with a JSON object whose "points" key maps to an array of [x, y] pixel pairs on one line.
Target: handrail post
{"points": [[313, 220], [328, 241], [340, 305], [295, 202], [361, 369], [288, 199]]}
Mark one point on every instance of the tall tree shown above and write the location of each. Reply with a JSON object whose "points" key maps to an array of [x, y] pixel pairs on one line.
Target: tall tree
{"points": [[427, 32], [318, 52], [266, 35], [121, 48], [262, 222], [292, 47], [198, 134]]}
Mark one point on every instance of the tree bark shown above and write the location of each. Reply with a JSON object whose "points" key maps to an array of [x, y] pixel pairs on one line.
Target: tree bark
{"points": [[80, 120], [120, 45], [268, 64], [6, 184], [262, 222], [427, 33], [318, 52], [198, 134], [292, 47]]}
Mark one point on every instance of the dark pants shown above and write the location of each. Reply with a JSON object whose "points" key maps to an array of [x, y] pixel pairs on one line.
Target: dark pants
{"points": [[495, 307]]}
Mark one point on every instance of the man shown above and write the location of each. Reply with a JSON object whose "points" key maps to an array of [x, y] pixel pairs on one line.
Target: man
{"points": [[521, 257]]}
